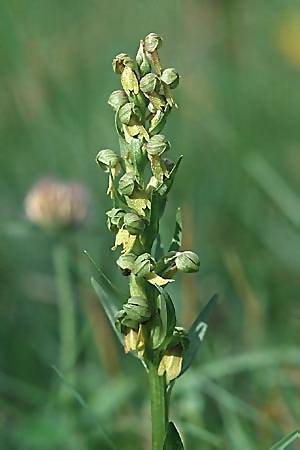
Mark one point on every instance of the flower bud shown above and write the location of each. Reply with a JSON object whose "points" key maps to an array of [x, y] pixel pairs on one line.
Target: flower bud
{"points": [[122, 320], [107, 158], [137, 309], [126, 184], [170, 77], [126, 262], [142, 60], [157, 145], [117, 99], [187, 262], [152, 42], [115, 218], [143, 265], [134, 224], [121, 61], [149, 83]]}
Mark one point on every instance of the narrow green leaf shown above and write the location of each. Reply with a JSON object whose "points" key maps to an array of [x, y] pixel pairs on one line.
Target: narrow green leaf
{"points": [[203, 435], [287, 440], [177, 237], [109, 308], [173, 440], [104, 278], [197, 332]]}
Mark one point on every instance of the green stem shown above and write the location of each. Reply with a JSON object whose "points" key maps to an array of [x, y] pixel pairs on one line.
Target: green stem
{"points": [[159, 408], [66, 308]]}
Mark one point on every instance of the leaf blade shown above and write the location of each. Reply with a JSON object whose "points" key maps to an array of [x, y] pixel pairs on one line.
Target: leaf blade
{"points": [[196, 333], [173, 440]]}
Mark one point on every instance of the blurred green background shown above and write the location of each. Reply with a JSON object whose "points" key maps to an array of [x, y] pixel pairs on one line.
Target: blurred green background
{"points": [[238, 128]]}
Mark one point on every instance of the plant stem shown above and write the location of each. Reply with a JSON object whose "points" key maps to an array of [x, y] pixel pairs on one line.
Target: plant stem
{"points": [[66, 308], [159, 408]]}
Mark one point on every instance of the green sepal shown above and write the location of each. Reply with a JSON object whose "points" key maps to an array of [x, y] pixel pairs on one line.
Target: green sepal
{"points": [[164, 327], [173, 440], [177, 237], [106, 301], [130, 323], [196, 333], [137, 313]]}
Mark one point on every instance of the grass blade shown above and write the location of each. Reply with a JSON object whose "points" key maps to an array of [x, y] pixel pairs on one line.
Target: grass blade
{"points": [[197, 332], [285, 441]]}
